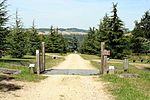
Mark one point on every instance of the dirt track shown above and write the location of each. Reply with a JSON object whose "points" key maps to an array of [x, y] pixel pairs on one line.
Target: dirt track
{"points": [[63, 87]]}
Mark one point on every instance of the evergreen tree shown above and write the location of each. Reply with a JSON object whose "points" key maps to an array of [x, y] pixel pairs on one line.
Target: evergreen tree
{"points": [[145, 25], [115, 36], [103, 29], [141, 34], [89, 44], [55, 42], [3, 29], [34, 40], [111, 31], [75, 43], [17, 40]]}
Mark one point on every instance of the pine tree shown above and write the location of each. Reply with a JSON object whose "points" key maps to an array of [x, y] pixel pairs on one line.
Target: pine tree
{"points": [[3, 29], [75, 43], [103, 29], [17, 40], [111, 31], [89, 44], [115, 35], [55, 42], [34, 40], [141, 34], [145, 25]]}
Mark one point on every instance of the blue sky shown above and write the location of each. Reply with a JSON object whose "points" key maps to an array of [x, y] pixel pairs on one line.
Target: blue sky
{"points": [[75, 13]]}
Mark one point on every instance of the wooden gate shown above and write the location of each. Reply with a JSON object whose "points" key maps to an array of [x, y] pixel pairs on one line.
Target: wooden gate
{"points": [[40, 59]]}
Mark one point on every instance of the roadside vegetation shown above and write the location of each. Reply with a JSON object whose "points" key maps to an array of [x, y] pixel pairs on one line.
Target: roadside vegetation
{"points": [[53, 59], [24, 73], [90, 57], [16, 42], [20, 65], [118, 39], [23, 63], [137, 88]]}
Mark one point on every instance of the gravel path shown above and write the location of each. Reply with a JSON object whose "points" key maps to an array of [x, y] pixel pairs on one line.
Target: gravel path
{"points": [[63, 87]]}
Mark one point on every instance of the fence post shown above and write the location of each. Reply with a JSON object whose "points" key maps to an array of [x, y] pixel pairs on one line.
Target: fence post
{"points": [[126, 64], [105, 65], [43, 56], [102, 58], [38, 61]]}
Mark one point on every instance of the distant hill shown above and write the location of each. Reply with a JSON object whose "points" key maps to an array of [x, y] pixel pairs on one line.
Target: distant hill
{"points": [[65, 30], [73, 30], [43, 29]]}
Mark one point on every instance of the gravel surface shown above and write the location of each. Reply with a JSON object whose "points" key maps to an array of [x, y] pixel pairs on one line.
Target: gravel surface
{"points": [[63, 87]]}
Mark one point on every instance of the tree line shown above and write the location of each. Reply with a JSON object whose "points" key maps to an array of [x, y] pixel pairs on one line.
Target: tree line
{"points": [[118, 39], [18, 41]]}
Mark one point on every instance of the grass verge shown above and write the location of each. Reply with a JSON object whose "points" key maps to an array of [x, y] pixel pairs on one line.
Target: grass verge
{"points": [[22, 65], [51, 61], [126, 88], [89, 57]]}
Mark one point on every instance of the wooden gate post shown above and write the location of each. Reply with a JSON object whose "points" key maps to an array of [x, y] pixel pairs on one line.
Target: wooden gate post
{"points": [[43, 56], [102, 58], [38, 61], [104, 54], [105, 65]]}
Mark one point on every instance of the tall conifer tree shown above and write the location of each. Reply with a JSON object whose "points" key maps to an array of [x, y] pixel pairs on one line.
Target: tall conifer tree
{"points": [[3, 29], [17, 39], [141, 34], [34, 40]]}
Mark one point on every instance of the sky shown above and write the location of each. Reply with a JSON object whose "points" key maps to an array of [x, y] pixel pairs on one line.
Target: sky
{"points": [[74, 13]]}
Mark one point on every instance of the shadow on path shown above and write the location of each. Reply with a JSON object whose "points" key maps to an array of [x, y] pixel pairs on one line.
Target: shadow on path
{"points": [[8, 87], [83, 72], [146, 68]]}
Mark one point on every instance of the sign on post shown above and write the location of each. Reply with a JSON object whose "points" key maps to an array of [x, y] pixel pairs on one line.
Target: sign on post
{"points": [[106, 52]]}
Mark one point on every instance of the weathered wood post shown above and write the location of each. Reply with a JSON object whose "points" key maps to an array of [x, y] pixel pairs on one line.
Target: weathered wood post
{"points": [[105, 65], [102, 58], [43, 56], [126, 64], [38, 61], [104, 54]]}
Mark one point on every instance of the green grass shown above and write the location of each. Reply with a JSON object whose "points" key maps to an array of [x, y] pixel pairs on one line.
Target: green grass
{"points": [[50, 62], [126, 88], [140, 57], [22, 65], [89, 57]]}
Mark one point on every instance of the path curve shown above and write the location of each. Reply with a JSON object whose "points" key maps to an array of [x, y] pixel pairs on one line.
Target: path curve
{"points": [[64, 87]]}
